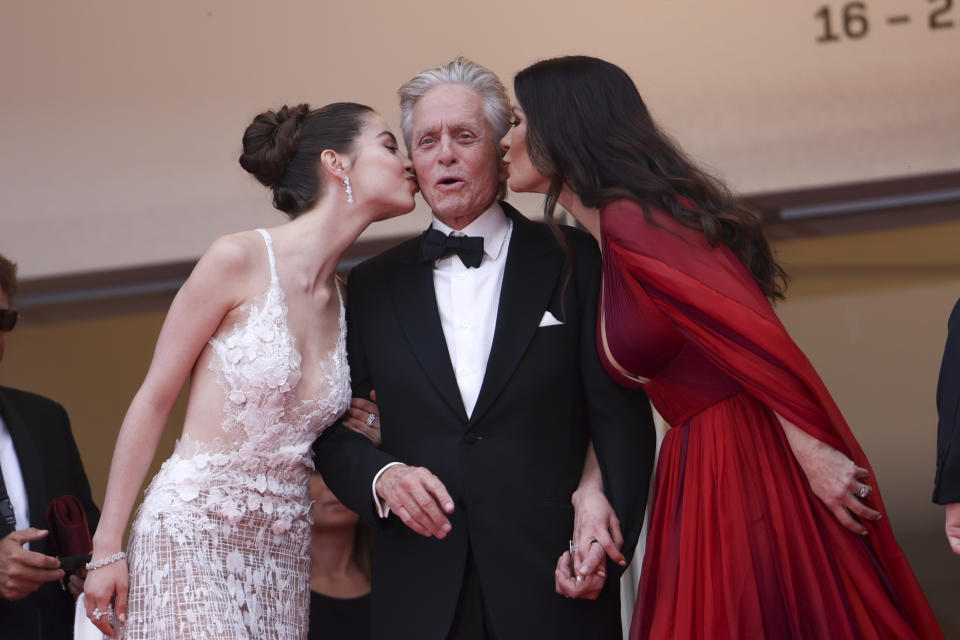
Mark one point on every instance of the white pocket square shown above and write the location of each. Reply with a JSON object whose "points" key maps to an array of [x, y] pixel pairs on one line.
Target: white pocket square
{"points": [[548, 320]]}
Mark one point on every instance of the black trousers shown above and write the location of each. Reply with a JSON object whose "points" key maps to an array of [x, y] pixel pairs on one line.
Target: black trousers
{"points": [[471, 620]]}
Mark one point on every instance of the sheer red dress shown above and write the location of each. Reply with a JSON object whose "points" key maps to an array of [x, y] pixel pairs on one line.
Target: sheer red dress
{"points": [[738, 545]]}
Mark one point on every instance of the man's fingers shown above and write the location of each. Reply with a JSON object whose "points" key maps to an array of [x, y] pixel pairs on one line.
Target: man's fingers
{"points": [[408, 520], [36, 560], [28, 535], [433, 517], [435, 487], [563, 579]]}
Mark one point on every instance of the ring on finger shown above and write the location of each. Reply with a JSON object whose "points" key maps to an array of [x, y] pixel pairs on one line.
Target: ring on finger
{"points": [[97, 614], [864, 491], [573, 547], [371, 419]]}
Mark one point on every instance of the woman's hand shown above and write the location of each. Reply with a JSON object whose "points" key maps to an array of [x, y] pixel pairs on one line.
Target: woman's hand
{"points": [[363, 416], [833, 477], [103, 588], [596, 532]]}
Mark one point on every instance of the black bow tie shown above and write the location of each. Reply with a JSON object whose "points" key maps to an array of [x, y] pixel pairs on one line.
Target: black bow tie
{"points": [[435, 244]]}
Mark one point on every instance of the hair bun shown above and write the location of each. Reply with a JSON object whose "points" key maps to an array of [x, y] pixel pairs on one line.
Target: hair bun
{"points": [[270, 141]]}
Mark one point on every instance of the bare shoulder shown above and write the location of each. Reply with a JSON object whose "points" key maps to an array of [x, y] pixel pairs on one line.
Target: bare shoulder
{"points": [[230, 266]]}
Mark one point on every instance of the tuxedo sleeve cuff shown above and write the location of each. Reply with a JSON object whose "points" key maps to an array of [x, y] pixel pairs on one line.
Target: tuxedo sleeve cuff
{"points": [[382, 509]]}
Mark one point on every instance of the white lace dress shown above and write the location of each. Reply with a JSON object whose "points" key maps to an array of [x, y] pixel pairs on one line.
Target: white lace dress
{"points": [[220, 546]]}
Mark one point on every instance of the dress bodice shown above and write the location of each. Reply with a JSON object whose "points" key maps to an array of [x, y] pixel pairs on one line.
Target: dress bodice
{"points": [[644, 342], [267, 432], [259, 368]]}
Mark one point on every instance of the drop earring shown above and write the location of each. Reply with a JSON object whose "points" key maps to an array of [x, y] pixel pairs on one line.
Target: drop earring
{"points": [[349, 190]]}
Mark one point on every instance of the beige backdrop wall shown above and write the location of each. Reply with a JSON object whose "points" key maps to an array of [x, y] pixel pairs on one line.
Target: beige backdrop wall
{"points": [[122, 120]]}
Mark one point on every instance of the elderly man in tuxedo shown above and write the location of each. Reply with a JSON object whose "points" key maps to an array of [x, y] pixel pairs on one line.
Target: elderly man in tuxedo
{"points": [[39, 461], [478, 338]]}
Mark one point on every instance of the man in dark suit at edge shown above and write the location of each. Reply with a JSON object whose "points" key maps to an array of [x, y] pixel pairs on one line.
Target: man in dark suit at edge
{"points": [[490, 391], [39, 461]]}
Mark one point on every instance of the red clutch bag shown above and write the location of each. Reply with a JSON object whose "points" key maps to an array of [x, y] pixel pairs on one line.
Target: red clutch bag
{"points": [[69, 531]]}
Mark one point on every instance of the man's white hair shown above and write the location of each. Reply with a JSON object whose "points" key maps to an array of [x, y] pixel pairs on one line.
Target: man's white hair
{"points": [[496, 104]]}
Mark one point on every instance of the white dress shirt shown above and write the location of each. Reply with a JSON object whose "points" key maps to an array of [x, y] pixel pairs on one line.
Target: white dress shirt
{"points": [[468, 300], [13, 478]]}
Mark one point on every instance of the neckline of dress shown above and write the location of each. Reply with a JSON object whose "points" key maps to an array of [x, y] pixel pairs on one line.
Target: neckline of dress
{"points": [[279, 299]]}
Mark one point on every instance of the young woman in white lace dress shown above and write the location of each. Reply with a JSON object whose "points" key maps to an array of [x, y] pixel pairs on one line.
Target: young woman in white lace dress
{"points": [[220, 546]]}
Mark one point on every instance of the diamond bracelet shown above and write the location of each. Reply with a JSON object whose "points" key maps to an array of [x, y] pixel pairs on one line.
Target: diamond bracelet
{"points": [[119, 555]]}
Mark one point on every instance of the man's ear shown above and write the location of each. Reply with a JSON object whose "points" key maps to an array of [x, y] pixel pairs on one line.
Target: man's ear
{"points": [[334, 164]]}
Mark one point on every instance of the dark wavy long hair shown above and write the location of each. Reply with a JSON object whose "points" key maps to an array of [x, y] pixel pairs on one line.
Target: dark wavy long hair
{"points": [[588, 129]]}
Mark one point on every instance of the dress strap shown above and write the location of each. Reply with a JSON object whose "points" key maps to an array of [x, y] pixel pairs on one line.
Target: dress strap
{"points": [[273, 259]]}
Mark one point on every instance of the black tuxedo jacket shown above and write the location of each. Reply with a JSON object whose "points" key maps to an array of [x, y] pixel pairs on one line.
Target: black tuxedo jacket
{"points": [[512, 466], [51, 467], [947, 481]]}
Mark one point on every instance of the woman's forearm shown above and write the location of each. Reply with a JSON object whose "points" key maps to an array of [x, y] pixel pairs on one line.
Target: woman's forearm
{"points": [[136, 445], [591, 479]]}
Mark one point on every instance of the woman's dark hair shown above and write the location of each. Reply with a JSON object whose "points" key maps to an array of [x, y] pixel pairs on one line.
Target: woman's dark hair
{"points": [[589, 130], [282, 149]]}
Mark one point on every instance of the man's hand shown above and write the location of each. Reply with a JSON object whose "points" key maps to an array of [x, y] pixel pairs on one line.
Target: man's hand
{"points": [[418, 498], [573, 585], [22, 572], [953, 526]]}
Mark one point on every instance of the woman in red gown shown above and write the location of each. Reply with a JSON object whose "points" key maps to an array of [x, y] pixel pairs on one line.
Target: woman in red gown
{"points": [[763, 524]]}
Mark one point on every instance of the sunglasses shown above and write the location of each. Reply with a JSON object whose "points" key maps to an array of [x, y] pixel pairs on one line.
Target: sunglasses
{"points": [[8, 319]]}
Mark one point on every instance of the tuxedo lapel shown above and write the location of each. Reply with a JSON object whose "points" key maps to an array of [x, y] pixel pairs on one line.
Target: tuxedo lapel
{"points": [[31, 463], [416, 303], [533, 265]]}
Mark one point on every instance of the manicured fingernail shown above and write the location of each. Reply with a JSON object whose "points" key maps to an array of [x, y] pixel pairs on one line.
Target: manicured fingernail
{"points": [[584, 569], [122, 617], [579, 579], [448, 506], [447, 527], [602, 574], [623, 563]]}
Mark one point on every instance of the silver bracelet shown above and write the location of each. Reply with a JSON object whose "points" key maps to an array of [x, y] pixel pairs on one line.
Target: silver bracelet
{"points": [[119, 555]]}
